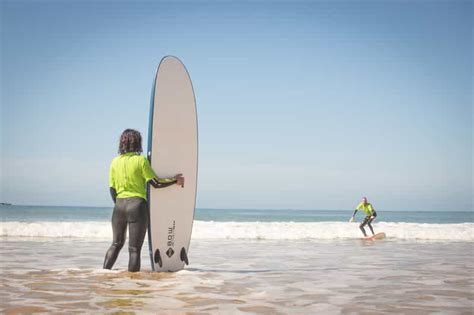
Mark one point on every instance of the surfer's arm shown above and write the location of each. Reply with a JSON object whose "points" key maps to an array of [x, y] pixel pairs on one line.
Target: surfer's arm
{"points": [[113, 194], [162, 182], [353, 215], [357, 209], [159, 182]]}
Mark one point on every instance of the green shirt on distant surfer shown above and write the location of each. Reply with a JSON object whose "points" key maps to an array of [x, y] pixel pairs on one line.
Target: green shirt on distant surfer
{"points": [[370, 215]]}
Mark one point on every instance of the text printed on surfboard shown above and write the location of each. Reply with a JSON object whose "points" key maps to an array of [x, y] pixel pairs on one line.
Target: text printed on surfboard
{"points": [[171, 233]]}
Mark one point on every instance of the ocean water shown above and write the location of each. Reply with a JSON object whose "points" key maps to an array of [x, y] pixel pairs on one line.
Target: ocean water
{"points": [[68, 214], [224, 224], [242, 262]]}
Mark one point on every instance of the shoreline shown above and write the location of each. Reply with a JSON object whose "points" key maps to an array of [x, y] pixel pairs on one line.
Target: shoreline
{"points": [[265, 277]]}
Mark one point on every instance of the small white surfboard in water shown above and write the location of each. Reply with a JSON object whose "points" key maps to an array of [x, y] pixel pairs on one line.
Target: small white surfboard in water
{"points": [[378, 236], [172, 149]]}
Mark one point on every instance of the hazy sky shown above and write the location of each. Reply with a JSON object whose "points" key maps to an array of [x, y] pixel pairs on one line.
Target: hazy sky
{"points": [[301, 105]]}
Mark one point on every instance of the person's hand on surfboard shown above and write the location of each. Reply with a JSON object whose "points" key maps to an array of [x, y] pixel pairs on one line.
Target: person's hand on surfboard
{"points": [[179, 180]]}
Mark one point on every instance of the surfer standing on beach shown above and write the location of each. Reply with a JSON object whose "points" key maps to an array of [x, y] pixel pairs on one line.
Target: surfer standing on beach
{"points": [[129, 174], [370, 215]]}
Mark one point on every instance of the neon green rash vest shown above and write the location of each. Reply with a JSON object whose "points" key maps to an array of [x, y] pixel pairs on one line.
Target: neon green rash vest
{"points": [[368, 209], [129, 173]]}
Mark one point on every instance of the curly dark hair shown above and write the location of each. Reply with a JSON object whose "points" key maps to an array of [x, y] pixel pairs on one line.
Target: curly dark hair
{"points": [[130, 141]]}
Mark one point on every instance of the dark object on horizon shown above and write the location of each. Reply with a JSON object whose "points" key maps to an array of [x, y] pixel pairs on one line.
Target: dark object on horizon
{"points": [[5, 204]]}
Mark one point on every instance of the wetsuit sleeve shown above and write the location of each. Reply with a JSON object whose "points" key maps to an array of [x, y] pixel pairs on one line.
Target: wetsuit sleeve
{"points": [[170, 180], [357, 209], [113, 194], [151, 177], [156, 184], [371, 208]]}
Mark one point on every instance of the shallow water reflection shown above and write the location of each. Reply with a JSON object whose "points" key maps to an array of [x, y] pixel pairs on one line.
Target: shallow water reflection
{"points": [[263, 277]]}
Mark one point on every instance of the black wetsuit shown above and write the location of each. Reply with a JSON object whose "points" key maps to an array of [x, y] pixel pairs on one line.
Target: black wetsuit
{"points": [[367, 220], [134, 213]]}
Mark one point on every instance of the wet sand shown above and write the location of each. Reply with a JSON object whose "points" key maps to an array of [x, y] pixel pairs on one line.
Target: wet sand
{"points": [[231, 277]]}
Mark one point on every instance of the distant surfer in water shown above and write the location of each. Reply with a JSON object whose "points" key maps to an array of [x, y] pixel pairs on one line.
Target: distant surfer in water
{"points": [[370, 215], [129, 174]]}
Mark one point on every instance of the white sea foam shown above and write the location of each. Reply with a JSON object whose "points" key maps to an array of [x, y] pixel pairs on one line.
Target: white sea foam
{"points": [[252, 230], [330, 230]]}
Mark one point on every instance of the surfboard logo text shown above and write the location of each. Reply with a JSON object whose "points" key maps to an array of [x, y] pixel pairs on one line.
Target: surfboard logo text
{"points": [[170, 243], [171, 230]]}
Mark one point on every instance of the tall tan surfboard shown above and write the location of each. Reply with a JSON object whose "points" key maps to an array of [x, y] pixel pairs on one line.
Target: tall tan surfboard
{"points": [[172, 149]]}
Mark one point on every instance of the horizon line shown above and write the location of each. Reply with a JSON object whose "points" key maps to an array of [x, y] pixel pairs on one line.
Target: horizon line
{"points": [[231, 209]]}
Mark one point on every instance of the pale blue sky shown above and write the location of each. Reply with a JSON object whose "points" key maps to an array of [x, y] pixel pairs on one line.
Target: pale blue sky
{"points": [[302, 105]]}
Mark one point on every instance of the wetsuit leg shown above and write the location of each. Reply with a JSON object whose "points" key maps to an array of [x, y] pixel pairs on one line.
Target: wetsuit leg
{"points": [[370, 226], [370, 221], [361, 226], [119, 228], [137, 215]]}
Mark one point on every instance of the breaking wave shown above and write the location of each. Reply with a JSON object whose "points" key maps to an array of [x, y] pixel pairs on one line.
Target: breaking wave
{"points": [[208, 230]]}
